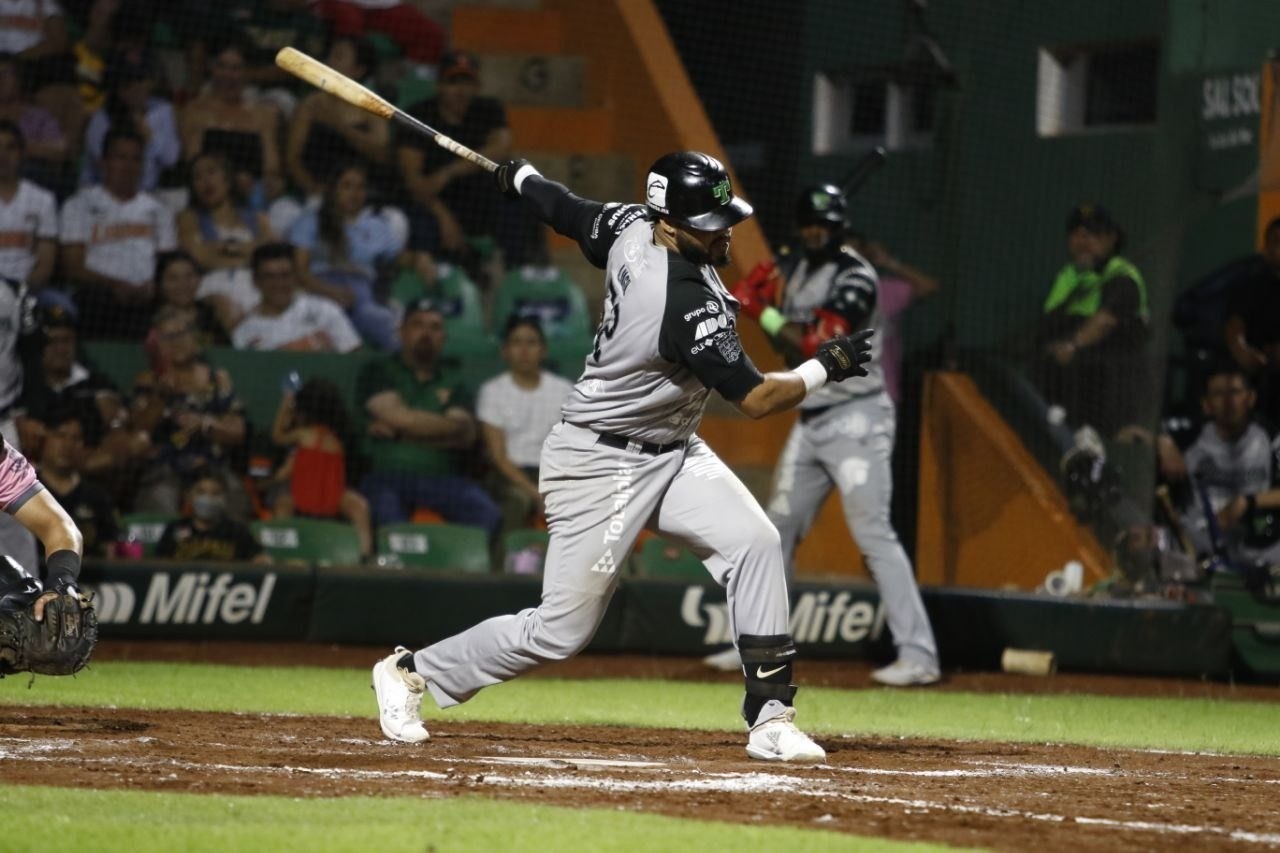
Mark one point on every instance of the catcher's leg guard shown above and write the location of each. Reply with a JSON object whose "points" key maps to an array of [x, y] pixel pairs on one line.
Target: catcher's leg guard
{"points": [[766, 665]]}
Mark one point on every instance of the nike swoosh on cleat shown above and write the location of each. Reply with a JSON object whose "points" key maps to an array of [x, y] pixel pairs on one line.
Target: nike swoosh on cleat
{"points": [[762, 673]]}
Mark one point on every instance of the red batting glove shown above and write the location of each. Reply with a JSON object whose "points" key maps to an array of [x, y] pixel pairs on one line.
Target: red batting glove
{"points": [[757, 290]]}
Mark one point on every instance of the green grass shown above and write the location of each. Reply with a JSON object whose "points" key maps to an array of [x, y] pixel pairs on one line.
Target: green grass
{"points": [[57, 819], [1164, 723]]}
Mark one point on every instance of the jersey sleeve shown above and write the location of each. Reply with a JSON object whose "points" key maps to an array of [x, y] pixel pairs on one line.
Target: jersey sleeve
{"points": [[853, 292], [700, 334], [593, 225]]}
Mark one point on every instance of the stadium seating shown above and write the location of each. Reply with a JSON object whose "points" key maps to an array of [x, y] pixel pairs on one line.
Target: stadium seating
{"points": [[528, 540], [309, 540], [454, 292], [658, 558], [546, 293], [440, 547], [144, 527]]}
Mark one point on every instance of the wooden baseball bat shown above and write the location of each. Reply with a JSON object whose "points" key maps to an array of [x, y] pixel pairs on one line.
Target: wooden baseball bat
{"points": [[326, 79]]}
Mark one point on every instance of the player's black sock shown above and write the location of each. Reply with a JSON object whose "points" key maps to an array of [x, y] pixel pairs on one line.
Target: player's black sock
{"points": [[406, 662]]}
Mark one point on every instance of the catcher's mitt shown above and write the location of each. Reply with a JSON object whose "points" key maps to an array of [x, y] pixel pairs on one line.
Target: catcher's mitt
{"points": [[60, 644]]}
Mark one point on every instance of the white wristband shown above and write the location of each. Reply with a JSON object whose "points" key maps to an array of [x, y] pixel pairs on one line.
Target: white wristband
{"points": [[523, 172], [813, 374]]}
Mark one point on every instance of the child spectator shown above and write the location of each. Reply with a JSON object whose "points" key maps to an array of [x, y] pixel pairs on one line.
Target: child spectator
{"points": [[207, 532], [314, 424]]}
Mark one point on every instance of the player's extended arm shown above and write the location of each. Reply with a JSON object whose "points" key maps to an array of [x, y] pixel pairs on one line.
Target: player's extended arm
{"points": [[49, 522], [577, 218], [836, 360]]}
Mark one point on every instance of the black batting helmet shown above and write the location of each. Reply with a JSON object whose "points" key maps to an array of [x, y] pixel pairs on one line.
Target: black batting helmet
{"points": [[821, 204], [693, 189]]}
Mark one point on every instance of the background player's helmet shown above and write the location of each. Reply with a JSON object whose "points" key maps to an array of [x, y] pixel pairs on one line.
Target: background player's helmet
{"points": [[822, 204], [691, 188]]}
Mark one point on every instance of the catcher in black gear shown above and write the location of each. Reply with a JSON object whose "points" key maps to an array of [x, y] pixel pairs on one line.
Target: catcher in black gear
{"points": [[48, 628]]}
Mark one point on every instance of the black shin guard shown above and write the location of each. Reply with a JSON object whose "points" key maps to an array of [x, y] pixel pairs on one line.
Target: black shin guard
{"points": [[766, 663]]}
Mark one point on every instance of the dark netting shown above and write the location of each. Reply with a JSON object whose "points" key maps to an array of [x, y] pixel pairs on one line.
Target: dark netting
{"points": [[1065, 207]]}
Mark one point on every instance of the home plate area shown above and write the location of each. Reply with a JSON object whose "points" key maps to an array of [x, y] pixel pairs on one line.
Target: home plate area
{"points": [[999, 796]]}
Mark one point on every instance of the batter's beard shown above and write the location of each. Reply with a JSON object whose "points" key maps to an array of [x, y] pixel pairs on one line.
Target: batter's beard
{"points": [[695, 253]]}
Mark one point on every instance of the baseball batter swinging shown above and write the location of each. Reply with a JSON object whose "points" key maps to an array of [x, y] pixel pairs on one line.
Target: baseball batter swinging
{"points": [[844, 436], [625, 455]]}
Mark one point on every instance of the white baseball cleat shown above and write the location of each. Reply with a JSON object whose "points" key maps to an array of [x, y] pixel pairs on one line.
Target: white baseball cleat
{"points": [[728, 660], [399, 693], [778, 739], [905, 673]]}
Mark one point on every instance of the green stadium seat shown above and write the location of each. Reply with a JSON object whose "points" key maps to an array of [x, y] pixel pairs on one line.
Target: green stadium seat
{"points": [[309, 540], [441, 547], [454, 292], [144, 527], [546, 293], [658, 558], [119, 362], [475, 356], [257, 375], [525, 539], [414, 89]]}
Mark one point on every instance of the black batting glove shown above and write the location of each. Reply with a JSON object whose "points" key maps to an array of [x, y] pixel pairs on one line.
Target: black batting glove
{"points": [[505, 175], [844, 356]]}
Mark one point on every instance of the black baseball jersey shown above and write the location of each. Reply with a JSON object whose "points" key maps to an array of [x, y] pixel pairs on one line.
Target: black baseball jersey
{"points": [[668, 333]]}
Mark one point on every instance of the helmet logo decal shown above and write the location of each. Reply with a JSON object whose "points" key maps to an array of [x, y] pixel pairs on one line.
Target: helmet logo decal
{"points": [[821, 201], [721, 191], [656, 192]]}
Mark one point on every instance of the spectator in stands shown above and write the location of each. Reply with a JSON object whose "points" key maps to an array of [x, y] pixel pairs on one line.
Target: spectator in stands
{"points": [[86, 502], [208, 532], [418, 36], [516, 411], [1234, 467], [36, 32], [28, 217], [177, 287], [341, 249], [287, 319], [111, 235], [325, 131], [245, 130], [261, 27], [1093, 332], [313, 424], [57, 382], [1253, 323], [221, 231], [454, 199], [45, 147], [418, 419], [900, 285], [131, 102], [193, 415]]}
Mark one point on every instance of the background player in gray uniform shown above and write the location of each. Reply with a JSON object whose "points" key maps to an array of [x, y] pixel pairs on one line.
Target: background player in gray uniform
{"points": [[1233, 466], [844, 437], [626, 456]]}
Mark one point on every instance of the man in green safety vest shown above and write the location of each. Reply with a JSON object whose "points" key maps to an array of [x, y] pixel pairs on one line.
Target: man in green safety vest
{"points": [[1094, 329]]}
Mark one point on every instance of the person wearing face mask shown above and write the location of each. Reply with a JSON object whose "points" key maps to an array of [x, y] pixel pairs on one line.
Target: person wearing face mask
{"points": [[1093, 331], [208, 533]]}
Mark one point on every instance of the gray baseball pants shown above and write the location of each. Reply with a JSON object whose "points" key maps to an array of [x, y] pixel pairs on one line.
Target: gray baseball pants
{"points": [[849, 446], [598, 499]]}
